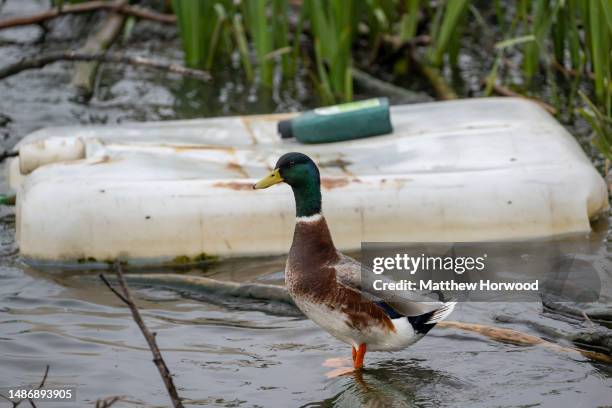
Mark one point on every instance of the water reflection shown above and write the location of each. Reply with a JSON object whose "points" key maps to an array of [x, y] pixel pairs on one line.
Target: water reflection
{"points": [[392, 383]]}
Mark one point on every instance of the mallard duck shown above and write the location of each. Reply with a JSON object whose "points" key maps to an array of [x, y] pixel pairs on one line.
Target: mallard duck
{"points": [[325, 284]]}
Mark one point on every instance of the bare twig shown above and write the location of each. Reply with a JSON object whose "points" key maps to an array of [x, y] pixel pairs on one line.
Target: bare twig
{"points": [[164, 372], [520, 339], [441, 87], [504, 91], [8, 153], [107, 402], [396, 93], [44, 379], [138, 12], [40, 61], [99, 41], [115, 291], [569, 72], [42, 383]]}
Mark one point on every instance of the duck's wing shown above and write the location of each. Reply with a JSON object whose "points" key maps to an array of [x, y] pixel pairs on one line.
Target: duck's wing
{"points": [[353, 274]]}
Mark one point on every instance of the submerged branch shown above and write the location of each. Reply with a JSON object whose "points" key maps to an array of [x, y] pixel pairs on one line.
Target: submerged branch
{"points": [[279, 293], [199, 283], [126, 297], [135, 11], [40, 61], [520, 339]]}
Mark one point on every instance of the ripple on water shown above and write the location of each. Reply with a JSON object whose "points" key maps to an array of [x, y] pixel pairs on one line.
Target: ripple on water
{"points": [[227, 352]]}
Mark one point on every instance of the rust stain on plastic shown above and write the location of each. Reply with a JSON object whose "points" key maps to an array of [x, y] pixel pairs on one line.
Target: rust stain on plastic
{"points": [[234, 185], [338, 163], [329, 183], [186, 148]]}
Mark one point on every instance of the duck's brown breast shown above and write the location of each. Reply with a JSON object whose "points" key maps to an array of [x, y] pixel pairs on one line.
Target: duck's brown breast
{"points": [[310, 277]]}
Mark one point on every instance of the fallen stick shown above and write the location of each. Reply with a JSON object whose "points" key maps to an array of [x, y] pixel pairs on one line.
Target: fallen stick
{"points": [[279, 293], [199, 283], [504, 91], [125, 9], [40, 61], [593, 335], [377, 86], [520, 339], [569, 72], [32, 404], [108, 402], [126, 297], [438, 83], [85, 72]]}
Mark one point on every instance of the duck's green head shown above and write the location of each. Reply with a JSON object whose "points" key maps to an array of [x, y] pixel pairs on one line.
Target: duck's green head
{"points": [[302, 174]]}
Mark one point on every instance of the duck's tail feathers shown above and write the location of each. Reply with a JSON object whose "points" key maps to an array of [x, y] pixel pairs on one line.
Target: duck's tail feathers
{"points": [[442, 313]]}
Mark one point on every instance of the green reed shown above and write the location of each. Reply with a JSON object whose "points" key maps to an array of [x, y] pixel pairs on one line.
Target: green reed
{"points": [[201, 24], [328, 37], [575, 37], [332, 26]]}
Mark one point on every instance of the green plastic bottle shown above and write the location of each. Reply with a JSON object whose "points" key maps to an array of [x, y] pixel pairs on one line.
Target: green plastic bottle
{"points": [[336, 123]]}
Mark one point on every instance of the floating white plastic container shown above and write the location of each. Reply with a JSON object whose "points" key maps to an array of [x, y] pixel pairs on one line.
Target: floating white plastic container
{"points": [[469, 170]]}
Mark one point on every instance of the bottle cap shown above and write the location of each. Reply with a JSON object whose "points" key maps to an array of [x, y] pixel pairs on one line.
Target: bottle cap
{"points": [[284, 128]]}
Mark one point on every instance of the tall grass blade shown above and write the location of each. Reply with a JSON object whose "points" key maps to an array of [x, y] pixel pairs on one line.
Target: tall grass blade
{"points": [[600, 47], [453, 12], [243, 47], [257, 22], [601, 124], [410, 20]]}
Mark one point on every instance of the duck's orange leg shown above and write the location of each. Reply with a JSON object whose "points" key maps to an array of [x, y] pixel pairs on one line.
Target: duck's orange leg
{"points": [[358, 360], [354, 353]]}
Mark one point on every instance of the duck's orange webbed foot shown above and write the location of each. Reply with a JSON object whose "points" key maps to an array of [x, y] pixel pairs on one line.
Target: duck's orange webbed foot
{"points": [[336, 362], [341, 365]]}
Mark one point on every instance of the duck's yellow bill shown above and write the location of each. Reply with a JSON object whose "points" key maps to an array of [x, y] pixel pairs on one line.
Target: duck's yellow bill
{"points": [[273, 178]]}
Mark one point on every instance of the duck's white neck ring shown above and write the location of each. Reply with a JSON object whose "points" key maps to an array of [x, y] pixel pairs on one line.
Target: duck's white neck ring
{"points": [[309, 218]]}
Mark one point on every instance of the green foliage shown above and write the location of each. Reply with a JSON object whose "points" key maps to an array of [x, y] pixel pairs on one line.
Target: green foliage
{"points": [[575, 36], [261, 34], [258, 29], [200, 24], [447, 31], [332, 24], [601, 125], [409, 20]]}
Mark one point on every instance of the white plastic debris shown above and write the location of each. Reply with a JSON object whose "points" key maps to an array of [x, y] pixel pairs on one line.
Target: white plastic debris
{"points": [[469, 170]]}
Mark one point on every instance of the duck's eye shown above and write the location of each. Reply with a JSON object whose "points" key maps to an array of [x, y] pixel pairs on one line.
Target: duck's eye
{"points": [[291, 163]]}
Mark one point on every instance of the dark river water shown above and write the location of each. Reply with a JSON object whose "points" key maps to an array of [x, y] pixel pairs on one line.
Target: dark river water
{"points": [[226, 352]]}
